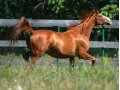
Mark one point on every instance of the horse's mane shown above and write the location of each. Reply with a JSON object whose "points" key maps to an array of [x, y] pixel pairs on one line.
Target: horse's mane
{"points": [[85, 17], [74, 25]]}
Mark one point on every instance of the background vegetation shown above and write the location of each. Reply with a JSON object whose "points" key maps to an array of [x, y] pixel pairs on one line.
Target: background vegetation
{"points": [[55, 9]]}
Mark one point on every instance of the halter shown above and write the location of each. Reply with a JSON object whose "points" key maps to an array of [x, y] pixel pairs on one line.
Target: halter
{"points": [[96, 18]]}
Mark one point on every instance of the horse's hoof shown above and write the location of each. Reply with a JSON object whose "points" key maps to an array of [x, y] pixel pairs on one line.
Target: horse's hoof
{"points": [[26, 57]]}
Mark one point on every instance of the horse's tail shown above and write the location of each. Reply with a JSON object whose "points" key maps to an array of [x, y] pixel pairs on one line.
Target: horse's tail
{"points": [[20, 29]]}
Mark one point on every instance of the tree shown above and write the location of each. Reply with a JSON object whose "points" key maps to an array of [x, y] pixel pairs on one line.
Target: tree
{"points": [[55, 9]]}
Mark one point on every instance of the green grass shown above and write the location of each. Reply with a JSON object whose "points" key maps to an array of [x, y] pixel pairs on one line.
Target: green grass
{"points": [[45, 77]]}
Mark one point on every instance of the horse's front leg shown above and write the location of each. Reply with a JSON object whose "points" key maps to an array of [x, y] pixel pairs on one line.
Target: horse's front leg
{"points": [[35, 55], [87, 56], [72, 62]]}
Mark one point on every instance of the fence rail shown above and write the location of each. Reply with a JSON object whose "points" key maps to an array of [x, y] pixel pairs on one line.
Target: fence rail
{"points": [[93, 44], [51, 23], [59, 23]]}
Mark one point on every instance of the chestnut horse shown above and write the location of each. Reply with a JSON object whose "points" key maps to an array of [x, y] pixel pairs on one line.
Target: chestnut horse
{"points": [[68, 44]]}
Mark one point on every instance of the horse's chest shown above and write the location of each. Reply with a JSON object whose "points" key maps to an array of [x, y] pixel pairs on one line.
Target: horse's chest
{"points": [[83, 44]]}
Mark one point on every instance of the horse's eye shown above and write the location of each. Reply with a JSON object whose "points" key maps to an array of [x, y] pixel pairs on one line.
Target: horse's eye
{"points": [[99, 15]]}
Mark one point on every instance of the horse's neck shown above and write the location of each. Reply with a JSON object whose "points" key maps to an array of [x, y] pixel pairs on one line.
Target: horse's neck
{"points": [[88, 27]]}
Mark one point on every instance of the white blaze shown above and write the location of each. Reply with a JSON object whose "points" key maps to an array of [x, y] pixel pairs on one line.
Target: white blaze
{"points": [[108, 19]]}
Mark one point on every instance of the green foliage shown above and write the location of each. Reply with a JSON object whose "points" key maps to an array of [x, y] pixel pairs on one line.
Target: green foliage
{"points": [[57, 5], [110, 10], [54, 9]]}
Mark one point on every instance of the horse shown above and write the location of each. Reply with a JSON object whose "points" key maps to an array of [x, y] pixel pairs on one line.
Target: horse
{"points": [[72, 43]]}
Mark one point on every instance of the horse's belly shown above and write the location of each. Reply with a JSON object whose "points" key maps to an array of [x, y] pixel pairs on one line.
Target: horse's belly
{"points": [[57, 54]]}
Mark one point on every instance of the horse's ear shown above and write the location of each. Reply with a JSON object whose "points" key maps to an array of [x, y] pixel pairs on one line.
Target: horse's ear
{"points": [[95, 10]]}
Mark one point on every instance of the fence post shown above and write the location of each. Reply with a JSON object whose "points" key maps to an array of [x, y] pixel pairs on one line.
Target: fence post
{"points": [[103, 39]]}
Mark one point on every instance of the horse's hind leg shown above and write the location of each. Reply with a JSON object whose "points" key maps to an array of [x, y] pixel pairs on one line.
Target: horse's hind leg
{"points": [[32, 61], [87, 56], [72, 62], [35, 55], [26, 56]]}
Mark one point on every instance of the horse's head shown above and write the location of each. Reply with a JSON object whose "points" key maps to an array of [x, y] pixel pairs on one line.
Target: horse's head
{"points": [[101, 19]]}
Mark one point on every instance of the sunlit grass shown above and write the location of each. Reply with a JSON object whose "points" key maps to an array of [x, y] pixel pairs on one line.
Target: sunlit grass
{"points": [[58, 78], [52, 77]]}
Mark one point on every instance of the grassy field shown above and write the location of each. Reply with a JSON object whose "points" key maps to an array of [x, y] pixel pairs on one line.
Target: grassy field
{"points": [[52, 77]]}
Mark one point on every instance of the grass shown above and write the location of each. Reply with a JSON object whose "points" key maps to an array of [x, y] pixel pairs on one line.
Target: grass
{"points": [[51, 77]]}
